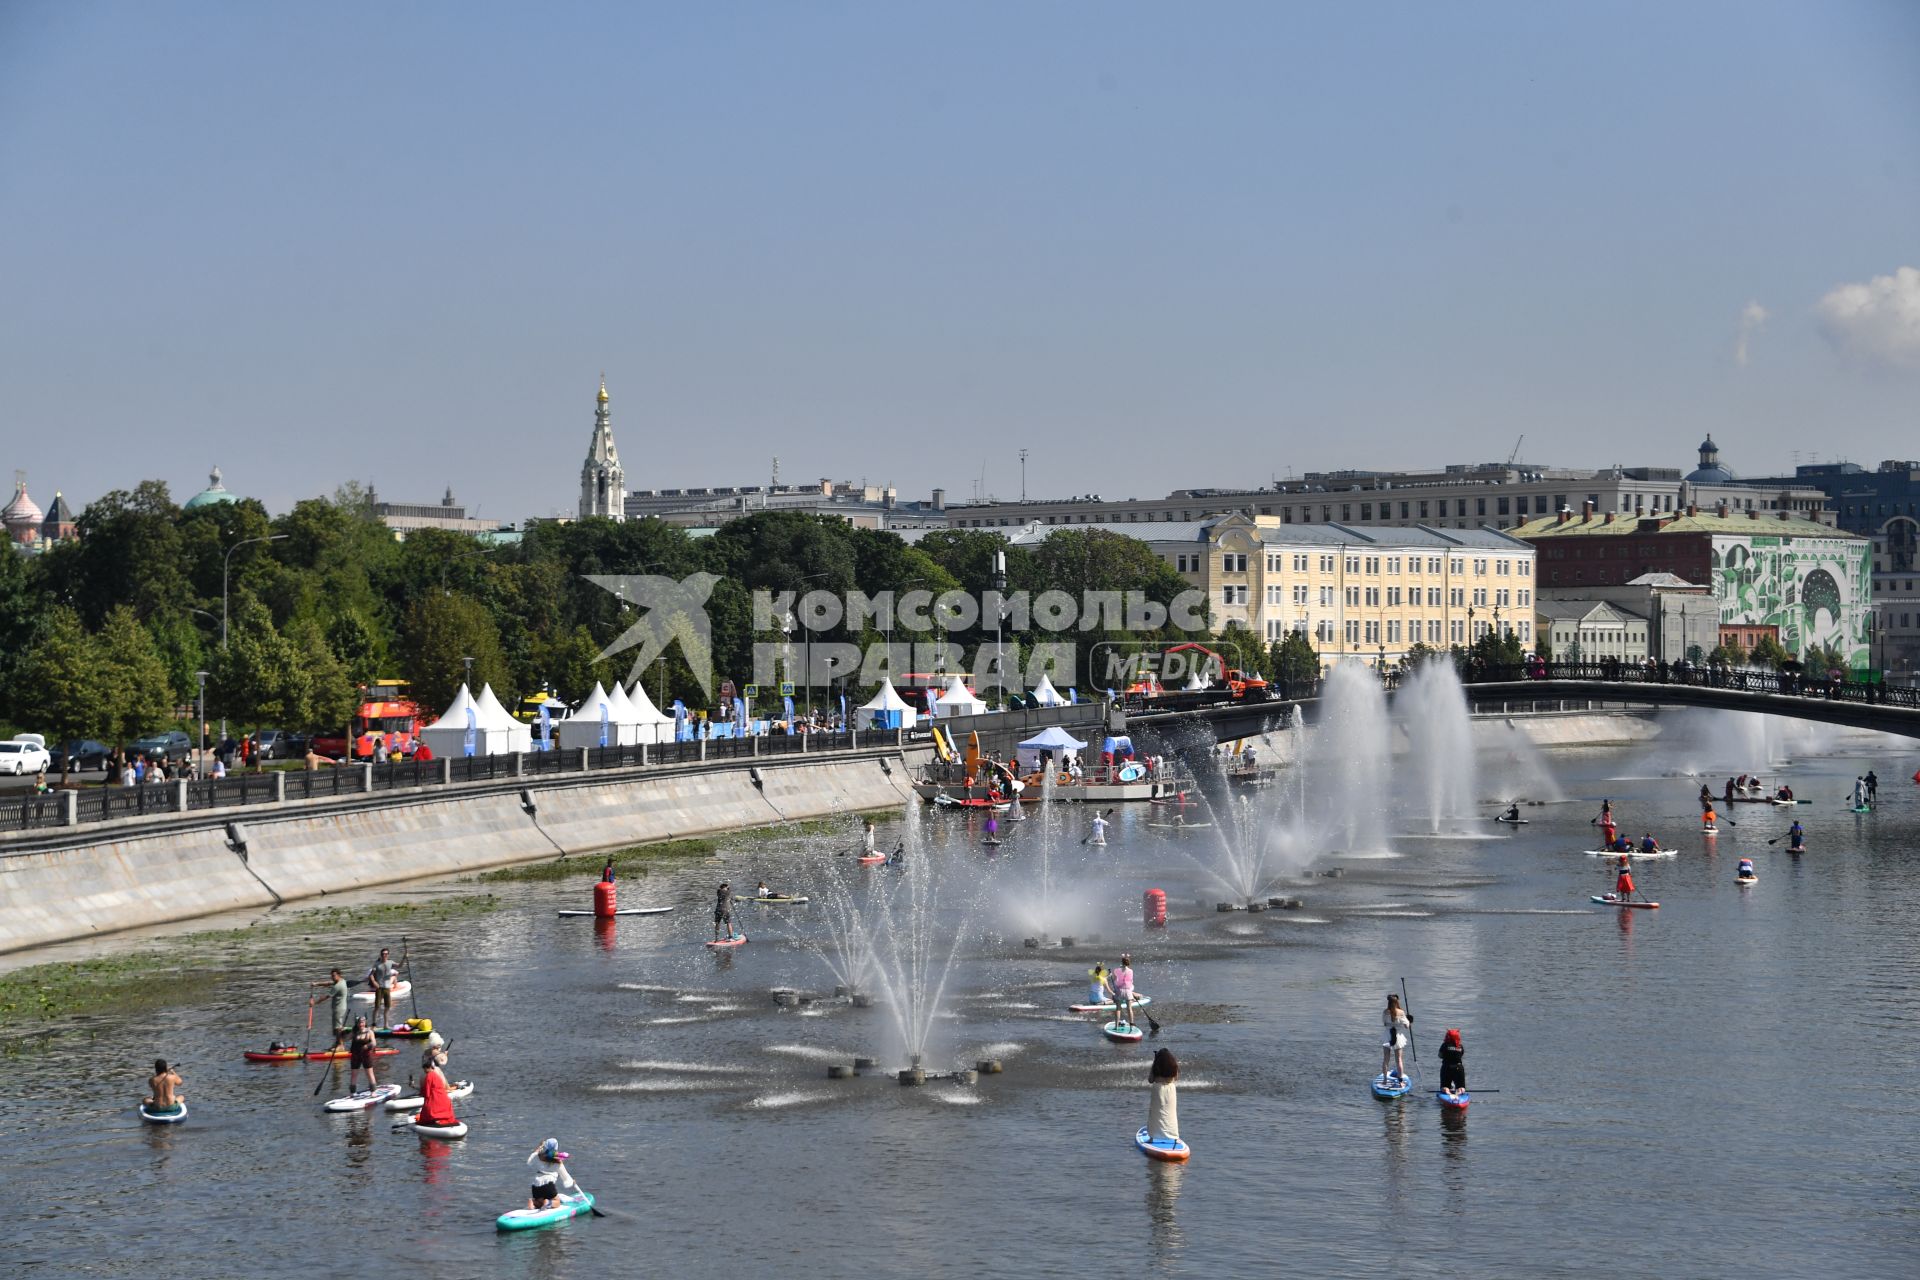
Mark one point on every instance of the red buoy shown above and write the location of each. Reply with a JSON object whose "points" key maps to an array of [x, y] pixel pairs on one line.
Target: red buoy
{"points": [[603, 900], [1156, 909]]}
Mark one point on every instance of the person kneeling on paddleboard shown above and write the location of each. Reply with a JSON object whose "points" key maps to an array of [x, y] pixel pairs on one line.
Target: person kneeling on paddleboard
{"points": [[1796, 836], [437, 1107], [161, 1098], [723, 910], [550, 1175], [1513, 813], [1648, 844], [1163, 1101], [1399, 1026], [1453, 1065], [1097, 984], [761, 891]]}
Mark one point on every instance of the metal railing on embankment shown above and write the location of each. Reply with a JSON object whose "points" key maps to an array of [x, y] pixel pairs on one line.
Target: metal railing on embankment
{"points": [[204, 796]]}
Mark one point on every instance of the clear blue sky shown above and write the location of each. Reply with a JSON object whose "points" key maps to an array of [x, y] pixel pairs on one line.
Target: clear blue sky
{"points": [[1159, 245]]}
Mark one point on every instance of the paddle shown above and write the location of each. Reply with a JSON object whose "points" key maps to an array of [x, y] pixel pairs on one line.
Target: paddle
{"points": [[307, 1047], [1412, 1044], [592, 1208], [406, 967]]}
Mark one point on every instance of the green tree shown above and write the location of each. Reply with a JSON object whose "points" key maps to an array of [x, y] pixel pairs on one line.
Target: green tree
{"points": [[1498, 649], [57, 687], [1822, 658], [1294, 662], [327, 691], [1727, 653], [1768, 652], [1419, 653], [442, 631], [133, 677], [259, 677], [128, 552]]}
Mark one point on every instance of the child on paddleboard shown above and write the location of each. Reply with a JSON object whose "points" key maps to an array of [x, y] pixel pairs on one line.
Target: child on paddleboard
{"points": [[1097, 984], [1453, 1064], [550, 1175], [1399, 1026], [1122, 983], [1163, 1102]]}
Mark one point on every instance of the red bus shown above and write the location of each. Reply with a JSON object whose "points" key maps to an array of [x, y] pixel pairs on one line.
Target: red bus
{"points": [[388, 720]]}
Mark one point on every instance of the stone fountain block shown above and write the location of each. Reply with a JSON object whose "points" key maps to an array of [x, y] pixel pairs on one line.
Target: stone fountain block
{"points": [[913, 1076], [1334, 873], [1032, 943], [839, 992], [863, 1064], [1066, 942], [990, 1067], [966, 1077], [1256, 906], [786, 999], [861, 1000], [839, 1071], [1224, 906]]}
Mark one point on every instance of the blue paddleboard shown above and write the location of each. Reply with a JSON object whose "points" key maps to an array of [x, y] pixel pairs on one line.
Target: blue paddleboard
{"points": [[1397, 1088]]}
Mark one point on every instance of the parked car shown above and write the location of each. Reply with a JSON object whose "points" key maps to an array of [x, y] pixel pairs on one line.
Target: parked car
{"points": [[84, 754], [17, 758], [175, 745], [280, 744]]}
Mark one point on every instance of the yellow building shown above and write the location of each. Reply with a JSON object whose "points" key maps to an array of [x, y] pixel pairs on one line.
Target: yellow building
{"points": [[1369, 594]]}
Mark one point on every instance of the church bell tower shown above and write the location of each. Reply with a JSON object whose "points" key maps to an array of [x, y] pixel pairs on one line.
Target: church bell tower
{"points": [[603, 489]]}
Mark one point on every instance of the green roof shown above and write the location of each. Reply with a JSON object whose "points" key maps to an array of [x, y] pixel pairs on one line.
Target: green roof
{"points": [[1767, 524]]}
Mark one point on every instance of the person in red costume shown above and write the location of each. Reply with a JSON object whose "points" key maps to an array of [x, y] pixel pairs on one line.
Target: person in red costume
{"points": [[438, 1107]]}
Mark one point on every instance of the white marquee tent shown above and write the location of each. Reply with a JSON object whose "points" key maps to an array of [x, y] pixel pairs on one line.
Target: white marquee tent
{"points": [[583, 727], [447, 736], [886, 710], [958, 700]]}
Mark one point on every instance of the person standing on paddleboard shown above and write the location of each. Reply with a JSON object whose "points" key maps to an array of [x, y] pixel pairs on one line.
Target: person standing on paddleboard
{"points": [[1099, 835], [1706, 798], [866, 839], [337, 988], [1873, 787], [1729, 794], [381, 978], [550, 1175], [1623, 884], [161, 1086], [1122, 983], [360, 1055], [1453, 1064], [723, 910], [1399, 1027], [1607, 824], [1163, 1100]]}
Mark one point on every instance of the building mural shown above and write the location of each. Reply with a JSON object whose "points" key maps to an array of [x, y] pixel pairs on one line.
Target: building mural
{"points": [[1817, 591]]}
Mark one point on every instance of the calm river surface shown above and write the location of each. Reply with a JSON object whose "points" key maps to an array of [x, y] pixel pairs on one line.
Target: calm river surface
{"points": [[1724, 1087]]}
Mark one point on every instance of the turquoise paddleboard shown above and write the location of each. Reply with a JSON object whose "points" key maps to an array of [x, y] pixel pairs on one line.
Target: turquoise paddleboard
{"points": [[524, 1219]]}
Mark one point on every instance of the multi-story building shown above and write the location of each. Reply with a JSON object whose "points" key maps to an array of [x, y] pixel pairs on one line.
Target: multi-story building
{"points": [[1683, 618], [1592, 631], [406, 517], [1468, 496], [29, 529], [1370, 594], [861, 504], [1811, 581]]}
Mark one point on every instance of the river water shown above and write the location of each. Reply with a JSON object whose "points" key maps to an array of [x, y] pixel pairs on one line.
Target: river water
{"points": [[1722, 1087]]}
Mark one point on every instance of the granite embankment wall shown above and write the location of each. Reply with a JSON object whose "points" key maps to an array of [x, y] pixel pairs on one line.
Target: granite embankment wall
{"points": [[1545, 731], [109, 880]]}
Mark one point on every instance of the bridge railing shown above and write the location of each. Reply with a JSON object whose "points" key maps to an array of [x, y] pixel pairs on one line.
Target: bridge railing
{"points": [[1786, 684]]}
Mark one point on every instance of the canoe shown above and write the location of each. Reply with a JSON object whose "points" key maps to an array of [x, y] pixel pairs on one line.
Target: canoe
{"points": [[1108, 1006], [362, 1100], [413, 1102], [448, 1132], [341, 1055], [1613, 900], [1123, 1033], [1170, 1149], [174, 1116], [524, 1219], [400, 988], [623, 911], [1398, 1087], [779, 899], [728, 942], [273, 1055], [1453, 1102]]}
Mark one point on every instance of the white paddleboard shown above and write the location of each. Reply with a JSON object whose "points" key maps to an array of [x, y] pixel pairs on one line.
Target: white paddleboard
{"points": [[460, 1089], [624, 911], [400, 989], [364, 1099]]}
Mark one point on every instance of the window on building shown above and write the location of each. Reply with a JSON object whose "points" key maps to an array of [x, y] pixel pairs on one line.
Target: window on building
{"points": [[1393, 631], [1560, 502], [1353, 631], [1346, 512], [1479, 506], [1459, 598], [1299, 564], [1373, 566], [1366, 511], [1373, 597], [1393, 597], [1423, 508], [1353, 564], [1403, 511], [1326, 596], [1501, 505]]}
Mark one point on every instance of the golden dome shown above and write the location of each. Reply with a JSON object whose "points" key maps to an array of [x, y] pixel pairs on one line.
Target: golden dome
{"points": [[603, 390]]}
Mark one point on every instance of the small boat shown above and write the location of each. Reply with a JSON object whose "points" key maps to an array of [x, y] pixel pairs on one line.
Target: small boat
{"points": [[400, 988], [364, 1099], [1709, 831], [275, 1053], [1178, 826], [445, 1132], [566, 1207], [1389, 1087], [413, 1102], [1614, 900], [1123, 1033], [1514, 822], [175, 1115], [403, 1031], [1169, 1149], [1746, 880], [871, 859], [1632, 853]]}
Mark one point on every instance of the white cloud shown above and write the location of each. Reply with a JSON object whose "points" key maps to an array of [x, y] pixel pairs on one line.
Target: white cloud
{"points": [[1878, 322], [1752, 316]]}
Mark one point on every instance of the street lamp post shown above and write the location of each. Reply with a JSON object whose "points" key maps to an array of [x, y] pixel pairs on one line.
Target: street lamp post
{"points": [[806, 644], [201, 728], [469, 676], [999, 602], [226, 563]]}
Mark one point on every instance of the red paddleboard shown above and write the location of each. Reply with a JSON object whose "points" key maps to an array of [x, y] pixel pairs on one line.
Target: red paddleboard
{"points": [[728, 942], [341, 1055], [873, 861], [272, 1055]]}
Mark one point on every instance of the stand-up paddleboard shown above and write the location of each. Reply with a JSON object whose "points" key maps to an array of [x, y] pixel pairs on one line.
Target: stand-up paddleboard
{"points": [[1863, 808], [1512, 822], [341, 1055], [1632, 853], [729, 942], [1169, 1149], [1178, 826], [871, 859], [1709, 831], [1108, 1006], [460, 1089], [1614, 900], [1796, 848], [623, 911], [445, 1132], [1132, 772], [1123, 1033], [362, 1100], [1391, 1086], [990, 844], [175, 1116], [1743, 881], [403, 1031], [287, 1053], [400, 988], [566, 1207], [1453, 1101], [780, 900]]}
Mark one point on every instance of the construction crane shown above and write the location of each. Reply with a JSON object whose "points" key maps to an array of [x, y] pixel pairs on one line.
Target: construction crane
{"points": [[1516, 448]]}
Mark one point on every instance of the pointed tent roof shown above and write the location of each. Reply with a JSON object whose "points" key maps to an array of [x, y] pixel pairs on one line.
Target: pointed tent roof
{"points": [[589, 708], [620, 707], [1195, 681], [492, 715], [1053, 738], [887, 699], [644, 712], [956, 699], [1044, 694], [455, 716]]}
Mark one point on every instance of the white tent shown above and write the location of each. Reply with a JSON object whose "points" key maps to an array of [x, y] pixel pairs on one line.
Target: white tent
{"points": [[1052, 738], [650, 723], [1045, 695], [447, 736], [494, 716], [886, 710], [958, 700], [1196, 682], [583, 727], [621, 713]]}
